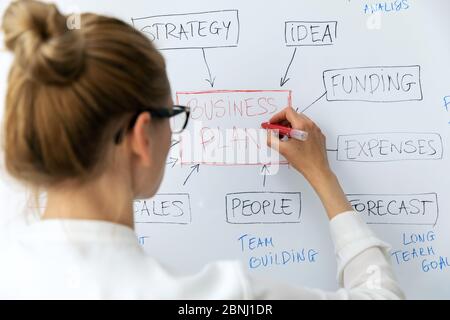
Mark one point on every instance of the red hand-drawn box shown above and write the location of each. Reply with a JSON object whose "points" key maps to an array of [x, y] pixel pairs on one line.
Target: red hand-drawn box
{"points": [[225, 126]]}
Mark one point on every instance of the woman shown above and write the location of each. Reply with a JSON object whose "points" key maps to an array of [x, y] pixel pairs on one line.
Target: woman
{"points": [[87, 120]]}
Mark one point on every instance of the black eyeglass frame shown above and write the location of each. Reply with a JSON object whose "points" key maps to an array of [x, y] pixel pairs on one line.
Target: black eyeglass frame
{"points": [[160, 113]]}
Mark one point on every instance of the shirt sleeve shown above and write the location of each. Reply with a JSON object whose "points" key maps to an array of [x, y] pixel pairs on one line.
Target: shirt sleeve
{"points": [[364, 270]]}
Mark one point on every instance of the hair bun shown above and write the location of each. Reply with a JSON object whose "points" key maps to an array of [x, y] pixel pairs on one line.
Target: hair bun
{"points": [[44, 47]]}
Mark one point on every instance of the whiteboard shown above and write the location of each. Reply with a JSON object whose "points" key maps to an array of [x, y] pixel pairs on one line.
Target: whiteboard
{"points": [[373, 75]]}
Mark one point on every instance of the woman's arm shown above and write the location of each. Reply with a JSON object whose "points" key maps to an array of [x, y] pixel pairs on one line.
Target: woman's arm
{"points": [[310, 159], [364, 269]]}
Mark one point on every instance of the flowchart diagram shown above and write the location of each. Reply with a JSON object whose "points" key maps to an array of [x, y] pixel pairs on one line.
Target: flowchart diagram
{"points": [[223, 129]]}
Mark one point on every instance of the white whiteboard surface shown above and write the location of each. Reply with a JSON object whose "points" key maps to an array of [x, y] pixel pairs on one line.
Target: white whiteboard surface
{"points": [[388, 143]]}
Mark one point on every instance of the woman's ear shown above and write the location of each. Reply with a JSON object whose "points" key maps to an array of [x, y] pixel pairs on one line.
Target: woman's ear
{"points": [[140, 139]]}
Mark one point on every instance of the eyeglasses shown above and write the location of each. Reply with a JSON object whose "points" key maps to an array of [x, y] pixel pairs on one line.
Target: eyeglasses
{"points": [[179, 119]]}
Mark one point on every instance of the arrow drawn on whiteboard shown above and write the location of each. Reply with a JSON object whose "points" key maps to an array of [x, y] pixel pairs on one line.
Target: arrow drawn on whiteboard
{"points": [[265, 171], [323, 95], [211, 78], [285, 79], [173, 161], [174, 142], [193, 169]]}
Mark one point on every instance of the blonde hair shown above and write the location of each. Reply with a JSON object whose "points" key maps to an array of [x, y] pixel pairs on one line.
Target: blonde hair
{"points": [[67, 87]]}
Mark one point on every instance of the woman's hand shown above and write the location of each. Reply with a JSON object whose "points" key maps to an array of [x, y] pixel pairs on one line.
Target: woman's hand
{"points": [[310, 159]]}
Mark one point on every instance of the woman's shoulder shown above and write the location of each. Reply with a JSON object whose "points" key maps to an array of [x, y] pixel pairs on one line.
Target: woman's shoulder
{"points": [[222, 279]]}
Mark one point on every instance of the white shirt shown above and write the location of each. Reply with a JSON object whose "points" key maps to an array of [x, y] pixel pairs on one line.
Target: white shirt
{"points": [[81, 259]]}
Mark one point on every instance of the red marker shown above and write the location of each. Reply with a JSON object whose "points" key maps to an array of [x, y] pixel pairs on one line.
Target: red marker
{"points": [[286, 131]]}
